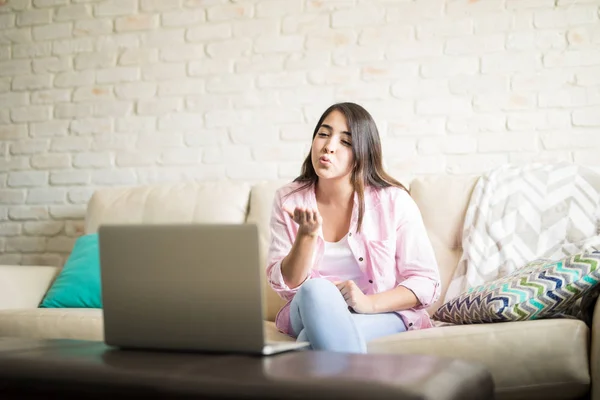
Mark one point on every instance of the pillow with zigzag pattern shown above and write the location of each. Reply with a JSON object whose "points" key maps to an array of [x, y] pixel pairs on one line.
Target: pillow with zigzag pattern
{"points": [[541, 289]]}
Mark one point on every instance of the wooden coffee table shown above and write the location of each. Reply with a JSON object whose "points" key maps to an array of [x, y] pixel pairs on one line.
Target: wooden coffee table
{"points": [[91, 370]]}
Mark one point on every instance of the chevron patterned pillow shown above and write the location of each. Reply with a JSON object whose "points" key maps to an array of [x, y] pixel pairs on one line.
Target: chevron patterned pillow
{"points": [[541, 289]]}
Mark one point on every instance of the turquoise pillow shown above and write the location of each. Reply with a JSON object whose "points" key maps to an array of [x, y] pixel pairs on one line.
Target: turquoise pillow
{"points": [[78, 284]]}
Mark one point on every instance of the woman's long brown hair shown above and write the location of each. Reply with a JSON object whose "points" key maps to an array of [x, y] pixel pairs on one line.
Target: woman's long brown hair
{"points": [[366, 147]]}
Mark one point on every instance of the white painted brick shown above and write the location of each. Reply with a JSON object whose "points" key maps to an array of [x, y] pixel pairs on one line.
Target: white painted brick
{"points": [[209, 32], [117, 74], [162, 72], [119, 42], [324, 6], [72, 79], [91, 126], [228, 118], [444, 105], [140, 22], [31, 113], [586, 157], [364, 90], [51, 161], [115, 7], [587, 117], [333, 75], [49, 3], [227, 12], [447, 67], [15, 67], [210, 67], [229, 84], [7, 21], [279, 44], [229, 48], [475, 45], [318, 41], [510, 62], [258, 98], [11, 259], [504, 142], [66, 178], [540, 156], [181, 157], [207, 102], [493, 23], [25, 244], [73, 46], [112, 109], [304, 23], [456, 144], [504, 102], [14, 163], [34, 17], [28, 213], [95, 60], [114, 142], [279, 153], [567, 97], [114, 177], [296, 132], [516, 4], [407, 12], [52, 64], [465, 8], [393, 148], [71, 143], [72, 13], [136, 159], [49, 129], [32, 50], [385, 33], [55, 31], [307, 60], [159, 5], [409, 50], [417, 126], [444, 28], [12, 196], [93, 27], [133, 124], [43, 228], [4, 52], [584, 36], [252, 171], [583, 139], [474, 163], [478, 84], [536, 40], [181, 87], [92, 160], [539, 120], [68, 212], [27, 179], [256, 27], [206, 137], [60, 244], [31, 82], [50, 96], [14, 99], [79, 196], [159, 141], [542, 80], [138, 56], [254, 134], [93, 93], [561, 18], [281, 80], [278, 8], [362, 15], [46, 196], [180, 122], [183, 52], [260, 63], [304, 95], [354, 54], [70, 110], [571, 58], [136, 90], [183, 18], [159, 107], [16, 35], [588, 76]]}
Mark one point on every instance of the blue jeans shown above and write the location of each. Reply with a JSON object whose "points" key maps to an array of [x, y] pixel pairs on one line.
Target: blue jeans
{"points": [[319, 315]]}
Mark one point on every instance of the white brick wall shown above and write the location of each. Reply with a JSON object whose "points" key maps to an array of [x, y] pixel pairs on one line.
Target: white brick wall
{"points": [[98, 93]]}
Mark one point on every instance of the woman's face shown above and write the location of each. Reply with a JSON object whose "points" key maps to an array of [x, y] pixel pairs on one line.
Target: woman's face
{"points": [[331, 151]]}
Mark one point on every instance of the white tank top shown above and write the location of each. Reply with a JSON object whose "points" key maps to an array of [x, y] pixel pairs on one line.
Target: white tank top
{"points": [[339, 264]]}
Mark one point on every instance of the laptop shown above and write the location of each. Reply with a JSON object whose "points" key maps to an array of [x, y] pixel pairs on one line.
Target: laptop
{"points": [[188, 287]]}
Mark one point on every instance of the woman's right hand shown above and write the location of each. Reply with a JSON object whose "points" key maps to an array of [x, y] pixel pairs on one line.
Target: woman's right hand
{"points": [[309, 220]]}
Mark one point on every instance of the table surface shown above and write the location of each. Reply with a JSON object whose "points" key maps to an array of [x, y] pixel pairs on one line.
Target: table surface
{"points": [[94, 367]]}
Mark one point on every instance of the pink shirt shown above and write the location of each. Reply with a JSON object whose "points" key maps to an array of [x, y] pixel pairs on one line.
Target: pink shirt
{"points": [[392, 249]]}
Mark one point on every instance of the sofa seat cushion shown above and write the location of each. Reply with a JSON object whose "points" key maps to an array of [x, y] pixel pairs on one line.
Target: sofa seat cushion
{"points": [[528, 359], [53, 323]]}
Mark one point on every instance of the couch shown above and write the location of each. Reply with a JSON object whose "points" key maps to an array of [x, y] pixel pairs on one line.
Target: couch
{"points": [[549, 359]]}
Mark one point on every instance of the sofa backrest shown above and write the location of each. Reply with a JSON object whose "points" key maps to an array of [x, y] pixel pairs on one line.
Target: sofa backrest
{"points": [[442, 200]]}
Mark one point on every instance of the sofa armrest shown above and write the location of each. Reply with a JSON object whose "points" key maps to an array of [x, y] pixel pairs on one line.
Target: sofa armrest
{"points": [[595, 353], [23, 286]]}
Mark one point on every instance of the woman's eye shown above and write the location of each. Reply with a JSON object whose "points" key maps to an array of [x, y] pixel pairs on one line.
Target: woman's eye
{"points": [[322, 134], [346, 143]]}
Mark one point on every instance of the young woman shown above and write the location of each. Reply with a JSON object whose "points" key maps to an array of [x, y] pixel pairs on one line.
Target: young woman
{"points": [[348, 248]]}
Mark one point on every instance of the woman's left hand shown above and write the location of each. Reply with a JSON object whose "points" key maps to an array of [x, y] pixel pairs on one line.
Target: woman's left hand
{"points": [[355, 298]]}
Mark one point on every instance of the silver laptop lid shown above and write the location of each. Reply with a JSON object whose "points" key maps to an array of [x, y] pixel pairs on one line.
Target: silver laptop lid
{"points": [[187, 287]]}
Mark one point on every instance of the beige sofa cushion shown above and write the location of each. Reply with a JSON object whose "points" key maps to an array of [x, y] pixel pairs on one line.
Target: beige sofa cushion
{"points": [[222, 202], [53, 323]]}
